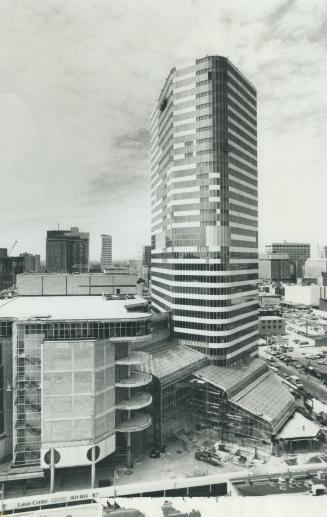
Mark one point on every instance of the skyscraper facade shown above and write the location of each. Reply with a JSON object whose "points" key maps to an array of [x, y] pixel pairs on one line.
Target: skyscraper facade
{"points": [[32, 263], [67, 251], [9, 268], [204, 208], [106, 251], [298, 253], [274, 267]]}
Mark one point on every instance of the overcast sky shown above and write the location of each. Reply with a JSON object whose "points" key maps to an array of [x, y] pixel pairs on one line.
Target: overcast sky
{"points": [[79, 79]]}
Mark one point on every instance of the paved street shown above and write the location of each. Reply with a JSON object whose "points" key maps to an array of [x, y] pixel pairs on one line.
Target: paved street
{"points": [[310, 384]]}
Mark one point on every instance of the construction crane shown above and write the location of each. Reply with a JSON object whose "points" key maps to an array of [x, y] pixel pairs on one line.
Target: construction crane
{"points": [[12, 248]]}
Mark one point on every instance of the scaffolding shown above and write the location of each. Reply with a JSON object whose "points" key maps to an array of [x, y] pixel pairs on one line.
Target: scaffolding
{"points": [[27, 387], [171, 365], [217, 418]]}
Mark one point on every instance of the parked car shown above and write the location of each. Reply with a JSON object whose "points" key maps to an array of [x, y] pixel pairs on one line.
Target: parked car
{"points": [[155, 453], [208, 457]]}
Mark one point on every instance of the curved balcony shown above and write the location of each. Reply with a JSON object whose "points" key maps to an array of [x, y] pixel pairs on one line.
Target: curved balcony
{"points": [[137, 423], [137, 379], [134, 358], [137, 401], [130, 339]]}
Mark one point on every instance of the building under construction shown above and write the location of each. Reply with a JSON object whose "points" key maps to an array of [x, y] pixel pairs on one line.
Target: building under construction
{"points": [[171, 366], [246, 403]]}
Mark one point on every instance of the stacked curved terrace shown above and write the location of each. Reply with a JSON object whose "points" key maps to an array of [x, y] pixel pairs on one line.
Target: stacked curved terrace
{"points": [[74, 382]]}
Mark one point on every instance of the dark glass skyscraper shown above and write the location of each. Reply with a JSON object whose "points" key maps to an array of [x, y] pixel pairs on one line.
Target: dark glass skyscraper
{"points": [[204, 208], [67, 251], [298, 253]]}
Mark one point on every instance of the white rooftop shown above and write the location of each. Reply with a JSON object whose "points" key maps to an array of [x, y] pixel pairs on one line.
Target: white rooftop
{"points": [[318, 406], [69, 308], [279, 318], [298, 427]]}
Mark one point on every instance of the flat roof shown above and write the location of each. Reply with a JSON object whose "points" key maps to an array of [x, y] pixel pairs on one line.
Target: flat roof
{"points": [[298, 427], [271, 318], [285, 243], [319, 406], [69, 308], [109, 272]]}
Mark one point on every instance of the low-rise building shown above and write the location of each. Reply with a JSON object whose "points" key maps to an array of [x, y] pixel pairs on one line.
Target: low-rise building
{"points": [[114, 282], [246, 402], [268, 299], [303, 294], [271, 326], [88, 378], [76, 390]]}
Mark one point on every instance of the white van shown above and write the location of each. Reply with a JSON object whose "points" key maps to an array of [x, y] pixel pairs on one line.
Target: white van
{"points": [[318, 489]]}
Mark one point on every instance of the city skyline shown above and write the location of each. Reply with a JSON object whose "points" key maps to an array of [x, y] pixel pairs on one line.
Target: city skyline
{"points": [[66, 120]]}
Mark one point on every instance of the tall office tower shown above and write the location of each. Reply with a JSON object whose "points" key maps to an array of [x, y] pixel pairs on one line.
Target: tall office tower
{"points": [[204, 208], [106, 251], [274, 267], [146, 256], [9, 268], [32, 263], [67, 251], [314, 270], [298, 253]]}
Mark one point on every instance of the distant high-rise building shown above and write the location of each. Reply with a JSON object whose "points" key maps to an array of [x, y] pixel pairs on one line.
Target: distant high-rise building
{"points": [[314, 269], [274, 267], [204, 263], [32, 262], [146, 256], [298, 253], [106, 251], [67, 251], [9, 268]]}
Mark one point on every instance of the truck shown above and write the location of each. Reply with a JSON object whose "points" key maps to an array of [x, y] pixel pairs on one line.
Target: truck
{"points": [[297, 381], [208, 457]]}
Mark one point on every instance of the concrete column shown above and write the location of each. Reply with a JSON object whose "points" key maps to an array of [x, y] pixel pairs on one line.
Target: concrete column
{"points": [[52, 470], [93, 468], [129, 451]]}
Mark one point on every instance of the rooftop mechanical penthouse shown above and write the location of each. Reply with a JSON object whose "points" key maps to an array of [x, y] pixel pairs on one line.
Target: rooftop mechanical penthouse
{"points": [[204, 208]]}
